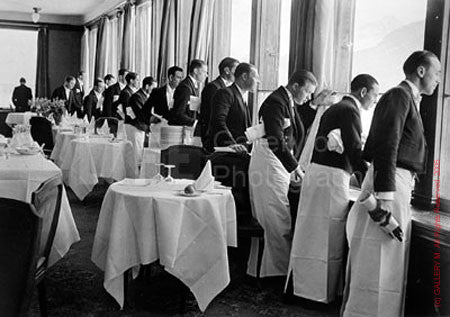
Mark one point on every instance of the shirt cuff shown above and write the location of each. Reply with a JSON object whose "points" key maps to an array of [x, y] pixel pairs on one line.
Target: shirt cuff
{"points": [[385, 195]]}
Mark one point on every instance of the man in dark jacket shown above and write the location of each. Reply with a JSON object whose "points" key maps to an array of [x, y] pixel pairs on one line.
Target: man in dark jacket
{"points": [[93, 103], [78, 90], [21, 96], [137, 104], [132, 80], [230, 116], [112, 94], [65, 92], [396, 147], [227, 68], [161, 98], [181, 113]]}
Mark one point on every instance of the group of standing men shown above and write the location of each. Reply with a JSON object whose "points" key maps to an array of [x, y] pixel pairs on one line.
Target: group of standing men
{"points": [[314, 257]]}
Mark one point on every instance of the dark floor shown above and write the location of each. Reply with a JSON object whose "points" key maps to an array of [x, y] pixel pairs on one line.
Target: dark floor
{"points": [[74, 284]]}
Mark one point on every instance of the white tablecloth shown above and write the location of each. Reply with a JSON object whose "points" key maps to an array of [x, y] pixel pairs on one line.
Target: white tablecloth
{"points": [[189, 236], [19, 118], [83, 161], [20, 175]]}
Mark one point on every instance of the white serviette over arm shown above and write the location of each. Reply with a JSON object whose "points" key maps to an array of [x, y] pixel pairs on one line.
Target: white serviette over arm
{"points": [[334, 142], [206, 180]]}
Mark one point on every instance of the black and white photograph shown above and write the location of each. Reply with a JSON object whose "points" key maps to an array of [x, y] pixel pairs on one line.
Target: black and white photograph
{"points": [[225, 158]]}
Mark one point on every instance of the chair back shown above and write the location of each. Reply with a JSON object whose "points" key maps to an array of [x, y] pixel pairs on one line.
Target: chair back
{"points": [[20, 228], [41, 132], [231, 169], [113, 124], [47, 201], [188, 159]]}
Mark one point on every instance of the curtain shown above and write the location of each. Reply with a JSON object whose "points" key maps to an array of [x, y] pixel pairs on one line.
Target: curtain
{"points": [[186, 32], [220, 39], [128, 42], [103, 54], [42, 78], [201, 31], [92, 53], [113, 47], [155, 36], [85, 57], [143, 38], [321, 40]]}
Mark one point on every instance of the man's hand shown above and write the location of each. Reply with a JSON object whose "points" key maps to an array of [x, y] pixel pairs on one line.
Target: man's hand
{"points": [[325, 98], [297, 177], [239, 148]]}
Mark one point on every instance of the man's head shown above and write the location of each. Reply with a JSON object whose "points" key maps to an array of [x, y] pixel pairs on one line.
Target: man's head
{"points": [[122, 73], [132, 79], [365, 88], [246, 76], [424, 70], [174, 76], [227, 67], [198, 69], [81, 75], [302, 84], [109, 80], [22, 81], [69, 82], [148, 84], [99, 85]]}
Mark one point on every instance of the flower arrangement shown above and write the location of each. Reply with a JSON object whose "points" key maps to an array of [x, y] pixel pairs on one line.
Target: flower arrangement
{"points": [[48, 108]]}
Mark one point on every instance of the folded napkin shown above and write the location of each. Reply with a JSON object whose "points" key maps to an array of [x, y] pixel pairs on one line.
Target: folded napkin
{"points": [[206, 180], [104, 130], [134, 182], [121, 132], [91, 126], [334, 142], [73, 117], [85, 120]]}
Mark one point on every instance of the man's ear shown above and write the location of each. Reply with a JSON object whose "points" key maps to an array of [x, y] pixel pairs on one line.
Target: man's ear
{"points": [[226, 70], [363, 92], [421, 71]]}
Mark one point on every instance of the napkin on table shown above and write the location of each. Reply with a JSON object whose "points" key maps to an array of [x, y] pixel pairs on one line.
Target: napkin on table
{"points": [[104, 130], [91, 127], [205, 181]]}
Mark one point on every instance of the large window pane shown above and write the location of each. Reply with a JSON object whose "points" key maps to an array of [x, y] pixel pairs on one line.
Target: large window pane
{"points": [[285, 27], [386, 33], [241, 18], [19, 53]]}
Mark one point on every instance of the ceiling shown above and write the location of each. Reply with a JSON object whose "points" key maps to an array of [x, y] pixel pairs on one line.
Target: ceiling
{"points": [[56, 11]]}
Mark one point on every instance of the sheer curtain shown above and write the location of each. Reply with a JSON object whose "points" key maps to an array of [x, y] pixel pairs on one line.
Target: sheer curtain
{"points": [[321, 40], [128, 42], [85, 57], [143, 39], [92, 53], [103, 54]]}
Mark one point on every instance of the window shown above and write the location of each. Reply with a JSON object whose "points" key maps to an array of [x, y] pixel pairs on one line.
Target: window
{"points": [[19, 50], [386, 33], [241, 20], [285, 27]]}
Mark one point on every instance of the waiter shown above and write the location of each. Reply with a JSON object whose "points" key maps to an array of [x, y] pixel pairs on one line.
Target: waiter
{"points": [[378, 264], [317, 253], [273, 163]]}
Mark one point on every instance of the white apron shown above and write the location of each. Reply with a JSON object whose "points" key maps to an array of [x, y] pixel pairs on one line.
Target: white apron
{"points": [[136, 137], [377, 265], [317, 253], [269, 186]]}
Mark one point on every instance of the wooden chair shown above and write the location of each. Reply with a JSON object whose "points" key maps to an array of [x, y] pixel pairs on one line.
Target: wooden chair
{"points": [[113, 124], [188, 159], [41, 131], [20, 228], [47, 201], [231, 169]]}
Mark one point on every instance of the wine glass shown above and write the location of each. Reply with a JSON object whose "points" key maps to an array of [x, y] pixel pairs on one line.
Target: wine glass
{"points": [[169, 177], [158, 175]]}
